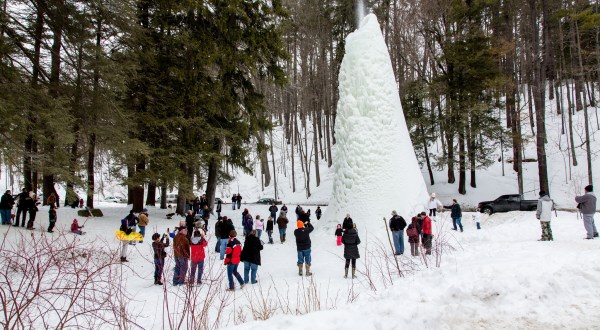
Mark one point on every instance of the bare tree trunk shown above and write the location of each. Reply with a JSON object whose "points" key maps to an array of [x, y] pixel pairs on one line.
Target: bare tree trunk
{"points": [[461, 162], [138, 188], [213, 171], [425, 149], [151, 193], [539, 99], [264, 160], [163, 195], [316, 149], [90, 170], [274, 168]]}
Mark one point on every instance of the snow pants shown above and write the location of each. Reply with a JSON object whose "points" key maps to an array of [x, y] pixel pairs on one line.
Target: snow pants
{"points": [[590, 226], [414, 249]]}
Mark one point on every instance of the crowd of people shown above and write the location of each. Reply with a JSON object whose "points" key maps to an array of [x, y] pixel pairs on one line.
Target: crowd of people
{"points": [[190, 238]]}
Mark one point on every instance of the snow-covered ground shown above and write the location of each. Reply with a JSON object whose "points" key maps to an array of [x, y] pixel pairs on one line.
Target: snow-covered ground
{"points": [[496, 277]]}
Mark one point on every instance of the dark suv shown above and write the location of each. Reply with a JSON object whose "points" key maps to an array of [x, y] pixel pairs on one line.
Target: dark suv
{"points": [[507, 203]]}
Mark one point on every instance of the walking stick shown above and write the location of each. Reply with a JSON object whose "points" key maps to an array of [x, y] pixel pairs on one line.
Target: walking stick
{"points": [[391, 245]]}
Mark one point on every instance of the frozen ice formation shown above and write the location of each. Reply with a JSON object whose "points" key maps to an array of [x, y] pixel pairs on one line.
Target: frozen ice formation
{"points": [[375, 167]]}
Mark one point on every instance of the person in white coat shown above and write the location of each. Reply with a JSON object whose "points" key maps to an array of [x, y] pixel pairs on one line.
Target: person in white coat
{"points": [[545, 206], [432, 206]]}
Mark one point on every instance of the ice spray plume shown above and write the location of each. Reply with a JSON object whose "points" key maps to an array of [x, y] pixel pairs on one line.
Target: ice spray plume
{"points": [[360, 12], [375, 169]]}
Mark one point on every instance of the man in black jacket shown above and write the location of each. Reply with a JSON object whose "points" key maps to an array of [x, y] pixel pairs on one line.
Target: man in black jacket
{"points": [[397, 225], [22, 207], [225, 228], [303, 245], [6, 205]]}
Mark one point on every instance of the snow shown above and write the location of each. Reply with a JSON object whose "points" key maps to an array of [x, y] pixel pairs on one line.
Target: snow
{"points": [[375, 169], [496, 277]]}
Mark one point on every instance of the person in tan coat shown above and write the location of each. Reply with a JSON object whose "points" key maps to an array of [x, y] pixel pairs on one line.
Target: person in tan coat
{"points": [[181, 252], [143, 222]]}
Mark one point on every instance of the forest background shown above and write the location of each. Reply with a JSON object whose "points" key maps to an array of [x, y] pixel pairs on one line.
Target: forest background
{"points": [[178, 94]]}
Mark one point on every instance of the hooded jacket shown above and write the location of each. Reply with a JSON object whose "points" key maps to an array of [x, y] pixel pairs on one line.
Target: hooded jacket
{"points": [[544, 208], [351, 241], [587, 203], [197, 249]]}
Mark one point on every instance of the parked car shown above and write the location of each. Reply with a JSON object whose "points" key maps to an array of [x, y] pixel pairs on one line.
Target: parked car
{"points": [[506, 203], [171, 198], [115, 199], [268, 200]]}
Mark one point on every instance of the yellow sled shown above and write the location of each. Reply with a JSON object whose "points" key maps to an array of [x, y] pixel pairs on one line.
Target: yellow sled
{"points": [[134, 236]]}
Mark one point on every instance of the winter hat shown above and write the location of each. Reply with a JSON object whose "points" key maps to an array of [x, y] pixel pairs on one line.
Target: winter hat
{"points": [[300, 224], [394, 213], [144, 210], [232, 233], [589, 188], [542, 193], [423, 214]]}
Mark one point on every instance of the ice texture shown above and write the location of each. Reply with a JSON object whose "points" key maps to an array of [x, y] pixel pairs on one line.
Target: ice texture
{"points": [[375, 167]]}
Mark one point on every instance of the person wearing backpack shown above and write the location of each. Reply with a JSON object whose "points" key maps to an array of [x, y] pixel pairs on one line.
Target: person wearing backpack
{"points": [[397, 225], [282, 223], [413, 236], [545, 206]]}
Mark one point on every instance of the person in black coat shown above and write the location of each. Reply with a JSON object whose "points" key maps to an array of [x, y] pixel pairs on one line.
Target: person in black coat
{"points": [[318, 212], [6, 205], [348, 223], [52, 218], [270, 224], [190, 218], [218, 233], [303, 245], [251, 256], [219, 206], [351, 240], [226, 227], [22, 207], [196, 206], [32, 204], [273, 210]]}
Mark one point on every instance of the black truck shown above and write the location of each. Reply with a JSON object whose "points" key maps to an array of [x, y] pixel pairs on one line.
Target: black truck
{"points": [[506, 203]]}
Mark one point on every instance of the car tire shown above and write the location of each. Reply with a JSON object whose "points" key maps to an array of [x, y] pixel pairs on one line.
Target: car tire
{"points": [[487, 210]]}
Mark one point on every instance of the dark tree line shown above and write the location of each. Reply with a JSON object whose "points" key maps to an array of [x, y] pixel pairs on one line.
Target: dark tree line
{"points": [[177, 93]]}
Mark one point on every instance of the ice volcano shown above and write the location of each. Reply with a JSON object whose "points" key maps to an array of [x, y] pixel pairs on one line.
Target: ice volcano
{"points": [[375, 167]]}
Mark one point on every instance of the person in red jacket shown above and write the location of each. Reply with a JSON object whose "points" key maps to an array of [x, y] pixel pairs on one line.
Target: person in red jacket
{"points": [[76, 228], [232, 260], [197, 246], [427, 233]]}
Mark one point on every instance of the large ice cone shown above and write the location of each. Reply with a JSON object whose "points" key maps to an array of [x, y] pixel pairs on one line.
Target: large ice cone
{"points": [[375, 167]]}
